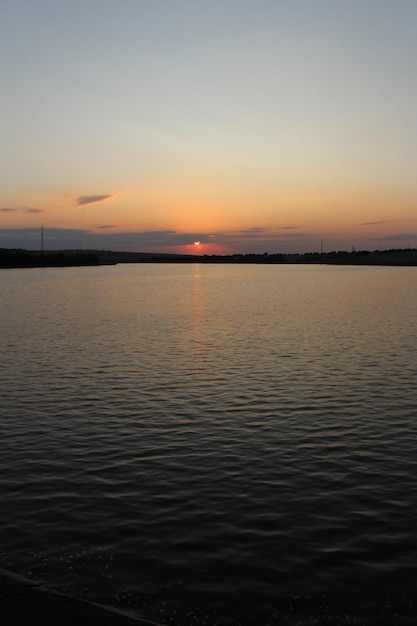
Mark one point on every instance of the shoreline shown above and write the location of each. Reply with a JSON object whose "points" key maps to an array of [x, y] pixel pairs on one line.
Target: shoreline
{"points": [[27, 601], [21, 258]]}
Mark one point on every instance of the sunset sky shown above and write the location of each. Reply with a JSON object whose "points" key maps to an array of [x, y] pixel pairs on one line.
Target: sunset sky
{"points": [[247, 125]]}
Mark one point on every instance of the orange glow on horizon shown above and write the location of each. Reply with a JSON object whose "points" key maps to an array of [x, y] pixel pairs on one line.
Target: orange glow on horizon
{"points": [[202, 249]]}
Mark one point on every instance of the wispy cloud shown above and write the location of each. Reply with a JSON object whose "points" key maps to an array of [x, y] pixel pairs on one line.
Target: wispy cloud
{"points": [[379, 222], [256, 239], [90, 199], [397, 237], [262, 229], [71, 238], [20, 209], [262, 234], [255, 229], [106, 226]]}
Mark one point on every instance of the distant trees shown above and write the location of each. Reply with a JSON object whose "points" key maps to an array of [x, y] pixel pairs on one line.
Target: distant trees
{"points": [[24, 258], [362, 257]]}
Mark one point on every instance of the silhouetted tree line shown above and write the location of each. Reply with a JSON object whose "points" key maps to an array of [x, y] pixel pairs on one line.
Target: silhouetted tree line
{"points": [[406, 257], [24, 258], [215, 258]]}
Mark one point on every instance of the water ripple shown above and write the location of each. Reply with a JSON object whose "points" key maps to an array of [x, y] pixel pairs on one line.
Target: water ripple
{"points": [[239, 439]]}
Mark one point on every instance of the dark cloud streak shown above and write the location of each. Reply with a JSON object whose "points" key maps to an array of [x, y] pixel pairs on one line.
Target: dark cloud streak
{"points": [[63, 238], [398, 237], [249, 241], [91, 199], [15, 209], [374, 223]]}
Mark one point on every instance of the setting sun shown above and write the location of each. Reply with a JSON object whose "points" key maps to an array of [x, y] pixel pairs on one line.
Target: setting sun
{"points": [[196, 243]]}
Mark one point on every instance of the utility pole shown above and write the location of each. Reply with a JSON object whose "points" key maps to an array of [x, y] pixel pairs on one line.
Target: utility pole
{"points": [[42, 239]]}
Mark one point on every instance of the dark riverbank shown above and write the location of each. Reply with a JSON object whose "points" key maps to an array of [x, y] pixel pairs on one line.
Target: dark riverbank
{"points": [[400, 257], [28, 258], [10, 258], [24, 601]]}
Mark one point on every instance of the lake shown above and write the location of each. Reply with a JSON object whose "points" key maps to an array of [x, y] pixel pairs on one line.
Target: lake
{"points": [[213, 444]]}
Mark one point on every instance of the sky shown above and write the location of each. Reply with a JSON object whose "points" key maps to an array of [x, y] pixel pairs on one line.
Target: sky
{"points": [[245, 125]]}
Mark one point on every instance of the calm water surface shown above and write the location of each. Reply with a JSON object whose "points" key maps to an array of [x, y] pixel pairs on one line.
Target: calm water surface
{"points": [[218, 444]]}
